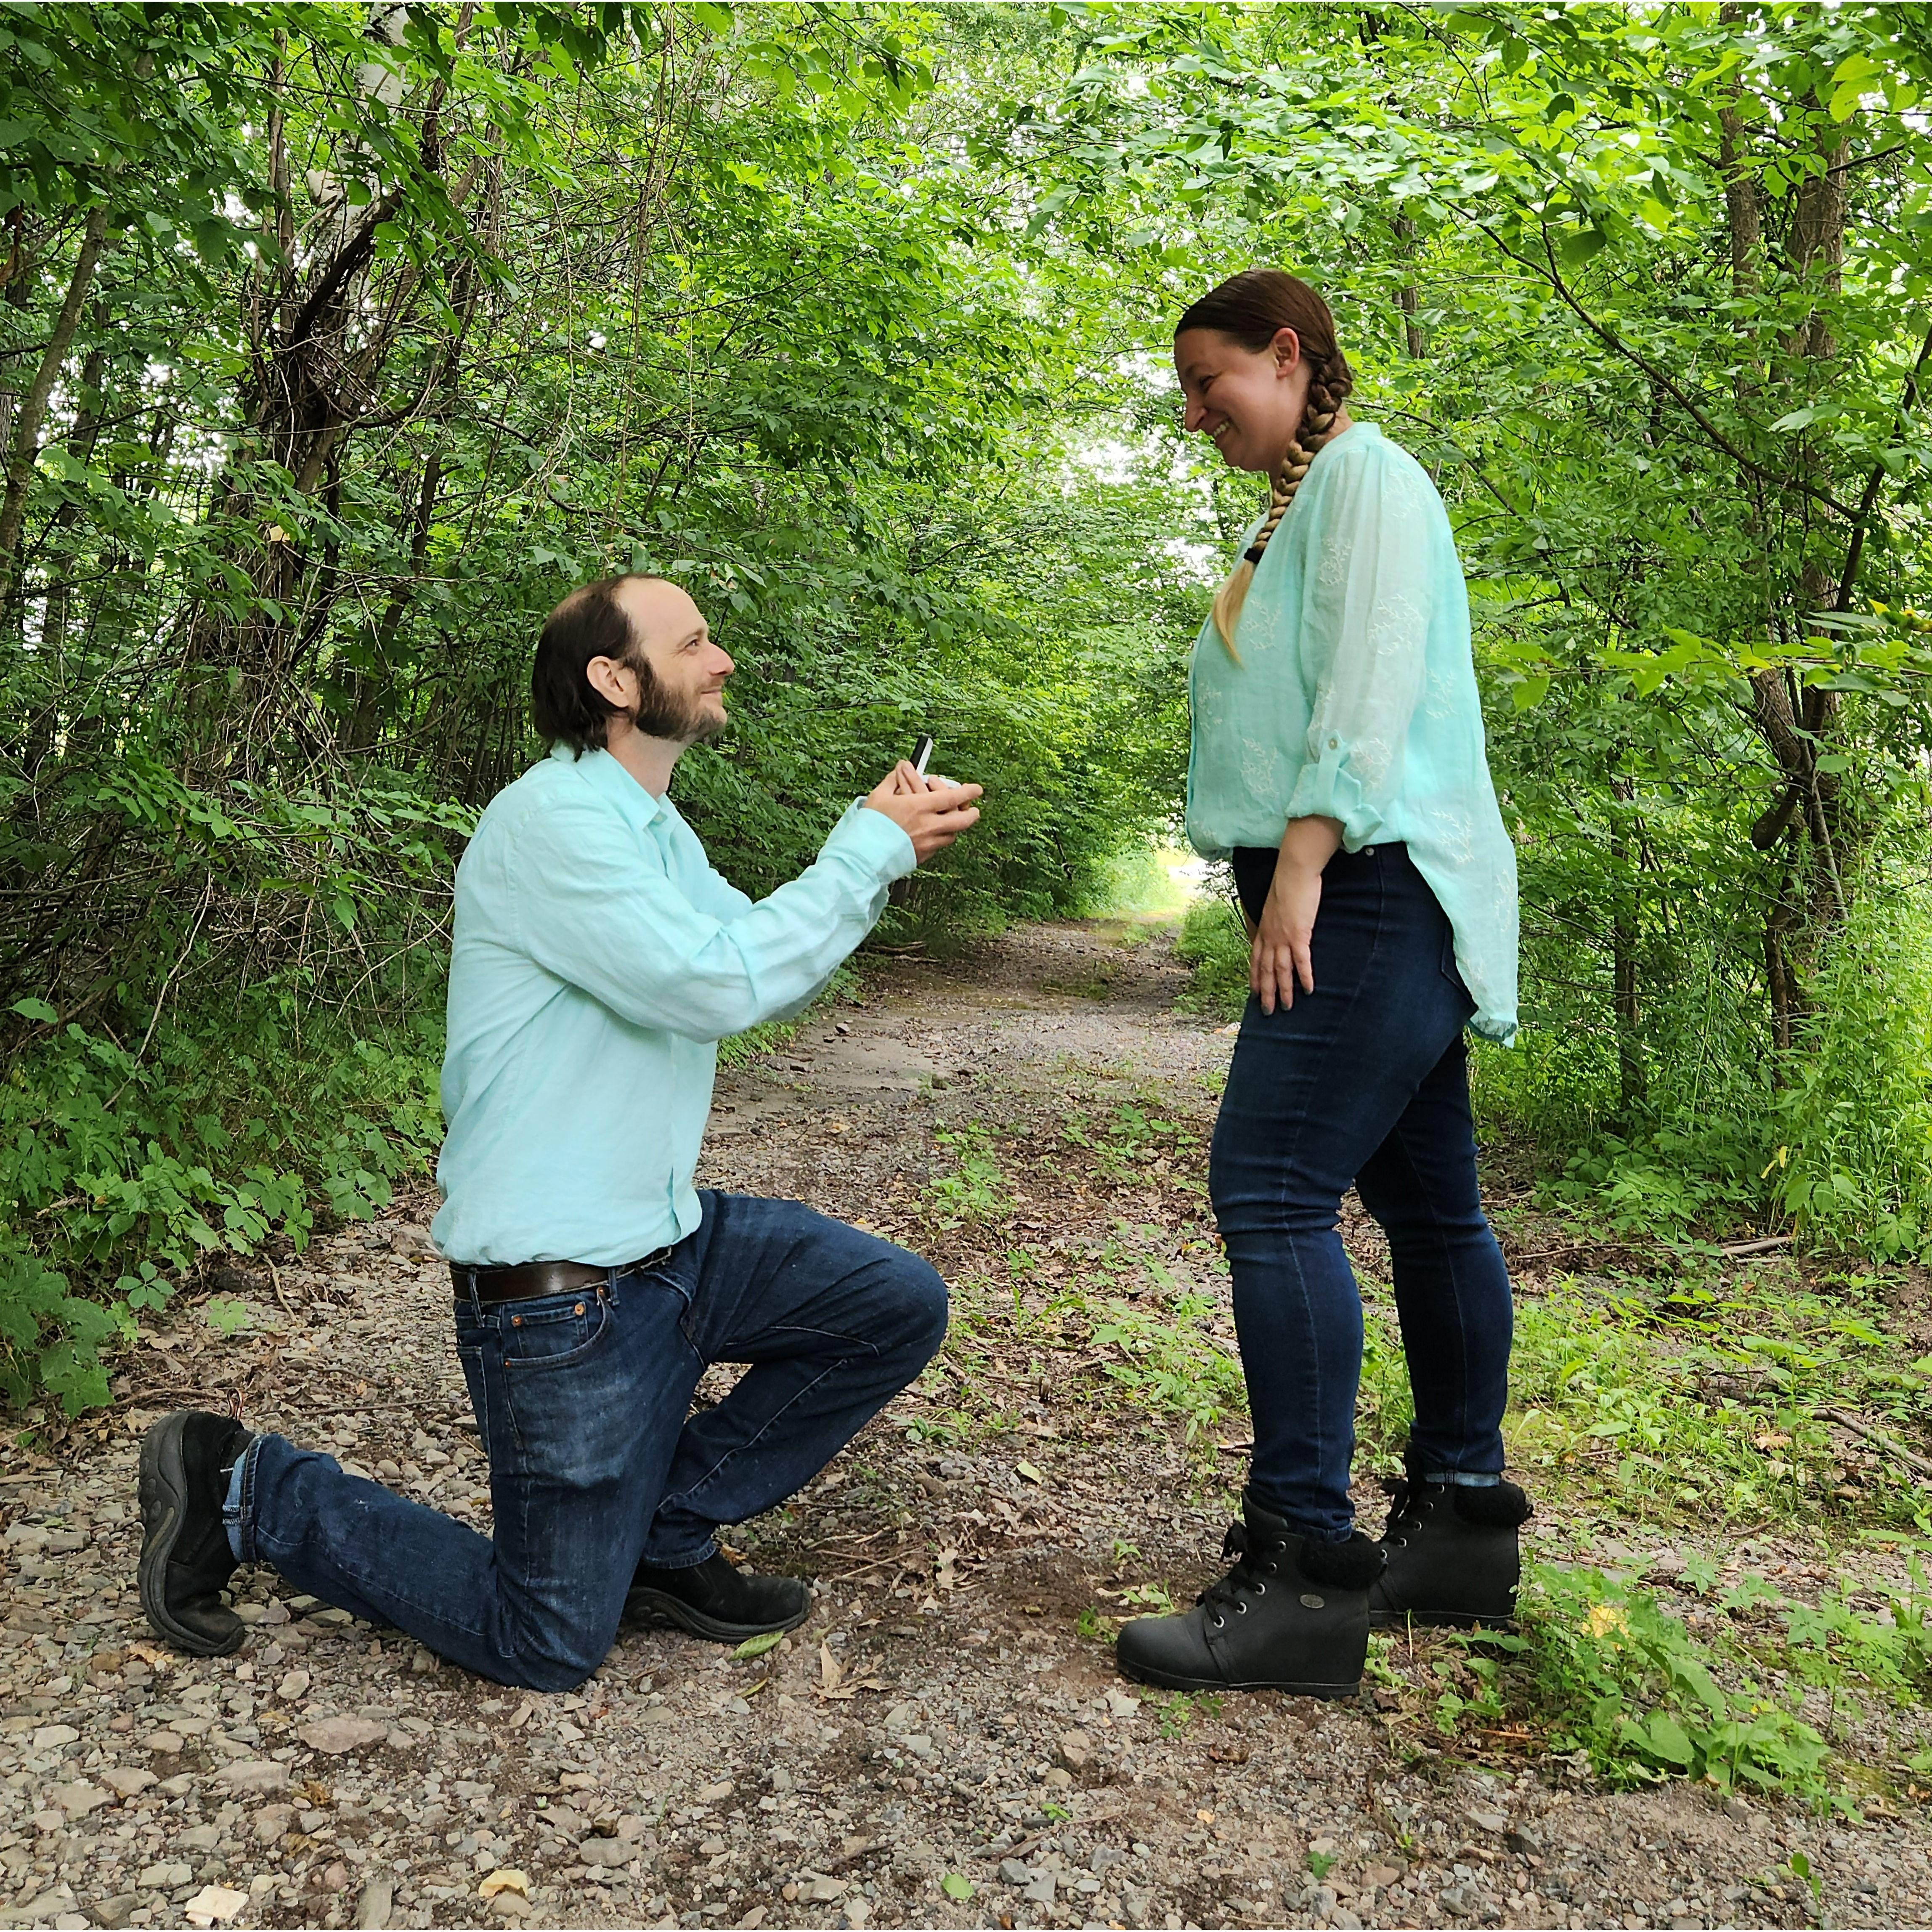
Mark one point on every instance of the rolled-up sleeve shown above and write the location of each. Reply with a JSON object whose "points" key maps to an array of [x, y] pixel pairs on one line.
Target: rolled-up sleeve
{"points": [[594, 905], [1364, 635]]}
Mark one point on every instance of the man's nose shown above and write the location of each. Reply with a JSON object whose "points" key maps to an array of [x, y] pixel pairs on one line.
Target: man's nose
{"points": [[725, 666]]}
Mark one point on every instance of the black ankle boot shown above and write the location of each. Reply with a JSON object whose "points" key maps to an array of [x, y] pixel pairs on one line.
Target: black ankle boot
{"points": [[1452, 1553], [187, 1459], [712, 1599], [1292, 1615]]}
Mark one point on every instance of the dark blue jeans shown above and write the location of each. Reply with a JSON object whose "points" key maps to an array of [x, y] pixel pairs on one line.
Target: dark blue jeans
{"points": [[596, 1460], [1364, 1080]]}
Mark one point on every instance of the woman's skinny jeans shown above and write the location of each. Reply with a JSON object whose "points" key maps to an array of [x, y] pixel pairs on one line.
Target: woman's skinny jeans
{"points": [[1363, 1081]]}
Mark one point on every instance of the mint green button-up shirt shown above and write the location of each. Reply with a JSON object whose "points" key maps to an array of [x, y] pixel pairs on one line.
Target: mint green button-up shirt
{"points": [[1355, 699], [598, 960]]}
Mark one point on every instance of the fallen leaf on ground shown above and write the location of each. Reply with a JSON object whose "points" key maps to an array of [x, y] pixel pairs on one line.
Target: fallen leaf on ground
{"points": [[829, 1672], [505, 1878], [757, 1646], [1027, 1470]]}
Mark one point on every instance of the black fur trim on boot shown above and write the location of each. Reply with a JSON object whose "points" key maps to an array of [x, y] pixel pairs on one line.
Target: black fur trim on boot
{"points": [[1352, 1565], [1292, 1616], [1494, 1506], [1453, 1555]]}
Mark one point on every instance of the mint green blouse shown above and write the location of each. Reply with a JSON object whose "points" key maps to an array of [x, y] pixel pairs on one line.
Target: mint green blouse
{"points": [[1355, 699]]}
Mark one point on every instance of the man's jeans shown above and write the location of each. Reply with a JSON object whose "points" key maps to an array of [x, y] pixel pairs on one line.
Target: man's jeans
{"points": [[1363, 1081], [595, 1460]]}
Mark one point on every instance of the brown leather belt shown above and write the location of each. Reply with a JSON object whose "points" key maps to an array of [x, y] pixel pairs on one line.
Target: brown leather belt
{"points": [[529, 1281]]}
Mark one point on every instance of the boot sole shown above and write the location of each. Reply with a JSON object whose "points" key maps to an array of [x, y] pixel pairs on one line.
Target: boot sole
{"points": [[1168, 1680], [1439, 1620], [661, 1607], [163, 1495]]}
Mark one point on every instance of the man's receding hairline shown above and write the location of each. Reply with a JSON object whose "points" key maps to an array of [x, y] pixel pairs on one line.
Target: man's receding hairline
{"points": [[608, 586]]}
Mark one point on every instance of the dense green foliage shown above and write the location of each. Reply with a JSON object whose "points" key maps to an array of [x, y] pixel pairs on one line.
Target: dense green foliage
{"points": [[337, 340]]}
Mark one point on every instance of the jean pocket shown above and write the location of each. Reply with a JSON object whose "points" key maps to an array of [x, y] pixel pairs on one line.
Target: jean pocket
{"points": [[555, 1332]]}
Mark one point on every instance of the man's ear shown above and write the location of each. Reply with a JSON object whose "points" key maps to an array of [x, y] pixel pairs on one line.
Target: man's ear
{"points": [[1287, 347], [608, 679]]}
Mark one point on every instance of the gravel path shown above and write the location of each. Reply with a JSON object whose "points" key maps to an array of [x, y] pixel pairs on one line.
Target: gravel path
{"points": [[945, 1743]]}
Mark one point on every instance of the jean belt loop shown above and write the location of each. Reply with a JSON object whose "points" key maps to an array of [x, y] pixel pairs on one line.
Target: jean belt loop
{"points": [[475, 1300], [610, 1289]]}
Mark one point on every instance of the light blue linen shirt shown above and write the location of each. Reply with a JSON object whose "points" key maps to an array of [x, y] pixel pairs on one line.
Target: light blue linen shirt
{"points": [[598, 960], [1355, 698]]}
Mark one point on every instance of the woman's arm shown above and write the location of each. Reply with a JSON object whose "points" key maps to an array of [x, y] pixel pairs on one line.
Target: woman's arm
{"points": [[1280, 954]]}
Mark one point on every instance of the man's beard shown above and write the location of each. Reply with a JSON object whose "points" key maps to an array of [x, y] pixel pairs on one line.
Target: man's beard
{"points": [[661, 714]]}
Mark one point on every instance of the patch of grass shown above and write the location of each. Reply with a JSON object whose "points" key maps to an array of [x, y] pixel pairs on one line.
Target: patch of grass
{"points": [[1134, 1134], [1171, 1360], [1707, 1398], [975, 1189], [1176, 1711]]}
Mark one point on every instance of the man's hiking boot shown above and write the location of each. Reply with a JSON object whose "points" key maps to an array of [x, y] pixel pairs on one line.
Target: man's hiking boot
{"points": [[1452, 1558], [1292, 1616], [713, 1599], [187, 1459]]}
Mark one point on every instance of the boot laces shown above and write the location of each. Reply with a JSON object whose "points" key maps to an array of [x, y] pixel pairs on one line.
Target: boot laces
{"points": [[1408, 1504], [1248, 1578]]}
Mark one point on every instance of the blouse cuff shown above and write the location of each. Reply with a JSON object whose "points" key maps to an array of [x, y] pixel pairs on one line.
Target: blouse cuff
{"points": [[1329, 789]]}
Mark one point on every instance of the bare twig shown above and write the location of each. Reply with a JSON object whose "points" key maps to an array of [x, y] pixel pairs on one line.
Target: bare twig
{"points": [[1877, 1437]]}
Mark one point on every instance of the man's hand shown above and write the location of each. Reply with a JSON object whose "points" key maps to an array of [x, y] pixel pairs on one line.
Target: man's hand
{"points": [[930, 815]]}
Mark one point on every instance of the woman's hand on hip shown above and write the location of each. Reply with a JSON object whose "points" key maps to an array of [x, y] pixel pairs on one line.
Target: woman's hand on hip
{"points": [[1279, 955]]}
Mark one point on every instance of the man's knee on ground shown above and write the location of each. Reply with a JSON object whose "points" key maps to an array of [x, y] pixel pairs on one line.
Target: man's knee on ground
{"points": [[550, 1669], [918, 1323]]}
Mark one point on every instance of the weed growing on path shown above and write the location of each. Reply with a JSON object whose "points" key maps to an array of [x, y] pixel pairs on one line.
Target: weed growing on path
{"points": [[976, 1189]]}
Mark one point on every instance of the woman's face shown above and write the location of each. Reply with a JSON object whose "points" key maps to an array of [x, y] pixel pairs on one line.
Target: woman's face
{"points": [[1250, 402]]}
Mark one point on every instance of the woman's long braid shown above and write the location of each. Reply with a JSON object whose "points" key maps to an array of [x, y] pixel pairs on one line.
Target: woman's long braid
{"points": [[1329, 384]]}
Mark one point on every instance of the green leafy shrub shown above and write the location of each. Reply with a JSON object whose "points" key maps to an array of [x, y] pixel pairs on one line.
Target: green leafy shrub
{"points": [[1617, 1676], [122, 1171], [1214, 942]]}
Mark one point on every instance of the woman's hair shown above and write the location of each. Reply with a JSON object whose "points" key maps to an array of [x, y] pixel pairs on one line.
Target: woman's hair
{"points": [[1250, 308]]}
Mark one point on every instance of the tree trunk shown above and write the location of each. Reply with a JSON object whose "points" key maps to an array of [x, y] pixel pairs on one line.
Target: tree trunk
{"points": [[33, 406], [1633, 1075]]}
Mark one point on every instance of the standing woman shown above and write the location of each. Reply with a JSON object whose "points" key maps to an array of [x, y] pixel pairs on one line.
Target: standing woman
{"points": [[1338, 760]]}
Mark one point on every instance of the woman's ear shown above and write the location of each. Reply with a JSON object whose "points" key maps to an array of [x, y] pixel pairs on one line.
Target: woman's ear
{"points": [[1287, 347]]}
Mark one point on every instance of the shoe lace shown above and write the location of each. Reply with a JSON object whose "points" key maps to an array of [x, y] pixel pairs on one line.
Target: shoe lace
{"points": [[1248, 1578], [1408, 1506]]}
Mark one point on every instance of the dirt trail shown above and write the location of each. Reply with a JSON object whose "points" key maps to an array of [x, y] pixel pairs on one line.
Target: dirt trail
{"points": [[945, 1744]]}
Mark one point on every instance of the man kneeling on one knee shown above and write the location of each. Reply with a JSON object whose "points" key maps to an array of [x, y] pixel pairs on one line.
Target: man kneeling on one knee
{"points": [[598, 959]]}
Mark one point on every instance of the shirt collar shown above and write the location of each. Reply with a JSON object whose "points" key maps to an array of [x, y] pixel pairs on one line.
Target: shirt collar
{"points": [[609, 781]]}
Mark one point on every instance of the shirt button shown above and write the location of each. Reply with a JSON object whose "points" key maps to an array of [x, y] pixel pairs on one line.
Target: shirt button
{"points": [[1333, 742], [1368, 851]]}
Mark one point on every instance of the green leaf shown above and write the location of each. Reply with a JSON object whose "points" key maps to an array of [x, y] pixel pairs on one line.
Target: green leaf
{"points": [[757, 1646], [1579, 248], [36, 1009], [955, 1887], [1670, 1740], [225, 1316]]}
